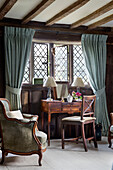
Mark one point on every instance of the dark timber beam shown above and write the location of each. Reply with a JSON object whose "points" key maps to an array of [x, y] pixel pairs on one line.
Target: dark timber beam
{"points": [[53, 37], [66, 11], [43, 5], [101, 22], [93, 15], [57, 28], [6, 7]]}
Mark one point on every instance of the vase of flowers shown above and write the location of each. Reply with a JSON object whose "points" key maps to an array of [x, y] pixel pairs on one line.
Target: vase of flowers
{"points": [[77, 96]]}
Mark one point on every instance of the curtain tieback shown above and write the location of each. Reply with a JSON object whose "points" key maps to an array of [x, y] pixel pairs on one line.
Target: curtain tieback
{"points": [[13, 90], [99, 92]]}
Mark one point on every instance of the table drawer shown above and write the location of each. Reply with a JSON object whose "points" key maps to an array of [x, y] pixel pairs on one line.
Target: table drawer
{"points": [[72, 107], [76, 108], [54, 107]]}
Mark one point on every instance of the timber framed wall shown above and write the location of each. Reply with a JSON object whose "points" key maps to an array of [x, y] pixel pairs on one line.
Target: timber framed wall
{"points": [[53, 36], [2, 64]]}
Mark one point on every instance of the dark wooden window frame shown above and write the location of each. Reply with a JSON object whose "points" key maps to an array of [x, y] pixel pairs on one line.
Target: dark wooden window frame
{"points": [[67, 55], [51, 62], [31, 62]]}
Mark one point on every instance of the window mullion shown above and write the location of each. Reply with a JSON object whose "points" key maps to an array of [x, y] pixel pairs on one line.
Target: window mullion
{"points": [[70, 64], [32, 63]]}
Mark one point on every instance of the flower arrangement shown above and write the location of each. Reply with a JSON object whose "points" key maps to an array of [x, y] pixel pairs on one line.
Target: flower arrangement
{"points": [[76, 95]]}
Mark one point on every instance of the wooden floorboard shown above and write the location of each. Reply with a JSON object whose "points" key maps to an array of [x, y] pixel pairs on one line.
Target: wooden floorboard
{"points": [[73, 157]]}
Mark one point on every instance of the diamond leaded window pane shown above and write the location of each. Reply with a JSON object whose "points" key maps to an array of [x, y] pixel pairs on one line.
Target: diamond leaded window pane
{"points": [[60, 67], [26, 73], [78, 63], [40, 61]]}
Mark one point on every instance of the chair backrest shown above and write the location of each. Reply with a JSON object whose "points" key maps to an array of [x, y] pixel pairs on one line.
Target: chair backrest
{"points": [[88, 106], [4, 107]]}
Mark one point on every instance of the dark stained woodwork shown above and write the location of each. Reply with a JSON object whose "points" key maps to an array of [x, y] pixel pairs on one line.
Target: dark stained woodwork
{"points": [[71, 64], [43, 5], [2, 65], [65, 29], [58, 28], [109, 77], [101, 22], [83, 90], [73, 7], [88, 108], [93, 15], [56, 106], [31, 96], [81, 30], [53, 37], [6, 7]]}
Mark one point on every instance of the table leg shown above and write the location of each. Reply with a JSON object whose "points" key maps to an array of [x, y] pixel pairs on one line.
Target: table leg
{"points": [[49, 121]]}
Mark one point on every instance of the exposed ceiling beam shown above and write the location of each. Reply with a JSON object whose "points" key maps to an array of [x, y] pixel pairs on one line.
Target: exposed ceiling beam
{"points": [[101, 22], [93, 15], [40, 7], [58, 28], [6, 7], [52, 37], [67, 11]]}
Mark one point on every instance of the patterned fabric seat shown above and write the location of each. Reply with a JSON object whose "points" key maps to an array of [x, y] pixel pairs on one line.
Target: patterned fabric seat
{"points": [[78, 118]]}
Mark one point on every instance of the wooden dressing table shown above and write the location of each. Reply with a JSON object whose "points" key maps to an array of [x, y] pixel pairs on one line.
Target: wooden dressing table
{"points": [[57, 106]]}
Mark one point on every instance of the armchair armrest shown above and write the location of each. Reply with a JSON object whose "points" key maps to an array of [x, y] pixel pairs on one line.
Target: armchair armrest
{"points": [[22, 121], [30, 117]]}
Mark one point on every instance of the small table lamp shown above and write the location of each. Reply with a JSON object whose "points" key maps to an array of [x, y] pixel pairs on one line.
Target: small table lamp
{"points": [[78, 83], [50, 82]]}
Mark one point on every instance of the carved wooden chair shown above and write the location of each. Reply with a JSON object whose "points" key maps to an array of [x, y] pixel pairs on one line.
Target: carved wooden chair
{"points": [[19, 132], [110, 131], [86, 117]]}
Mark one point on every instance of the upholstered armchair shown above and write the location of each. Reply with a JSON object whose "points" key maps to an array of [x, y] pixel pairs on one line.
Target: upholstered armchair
{"points": [[110, 131], [19, 132]]}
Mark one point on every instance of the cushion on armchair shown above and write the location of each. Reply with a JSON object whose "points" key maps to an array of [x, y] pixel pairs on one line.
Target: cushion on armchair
{"points": [[42, 138], [14, 114], [111, 128]]}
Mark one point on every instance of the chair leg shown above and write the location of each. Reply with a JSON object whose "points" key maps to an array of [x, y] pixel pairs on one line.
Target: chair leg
{"points": [[95, 142], [3, 157], [109, 139], [83, 136], [40, 158], [62, 134]]}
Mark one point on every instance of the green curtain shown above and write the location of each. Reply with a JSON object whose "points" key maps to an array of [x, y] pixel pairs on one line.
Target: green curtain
{"points": [[17, 49], [94, 53]]}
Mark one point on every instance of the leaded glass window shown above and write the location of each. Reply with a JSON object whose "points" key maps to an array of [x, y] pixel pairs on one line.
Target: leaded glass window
{"points": [[40, 61], [78, 63], [37, 66], [61, 63]]}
